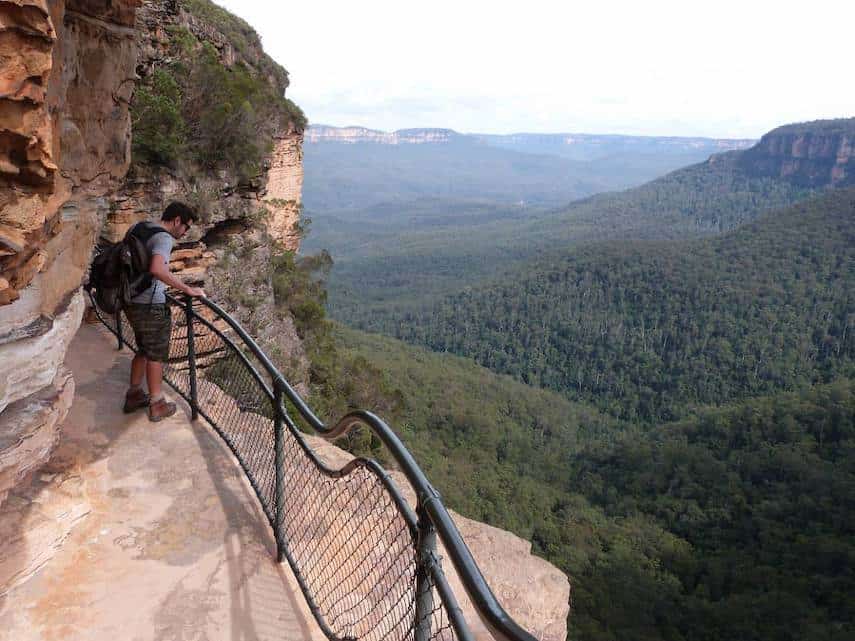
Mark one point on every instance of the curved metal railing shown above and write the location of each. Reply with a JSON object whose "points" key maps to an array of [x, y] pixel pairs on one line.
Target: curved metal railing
{"points": [[365, 561]]}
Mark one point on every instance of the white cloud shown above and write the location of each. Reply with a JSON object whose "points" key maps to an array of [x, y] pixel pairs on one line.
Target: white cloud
{"points": [[726, 68]]}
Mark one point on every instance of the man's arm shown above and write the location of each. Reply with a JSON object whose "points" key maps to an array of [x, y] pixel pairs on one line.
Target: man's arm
{"points": [[160, 270]]}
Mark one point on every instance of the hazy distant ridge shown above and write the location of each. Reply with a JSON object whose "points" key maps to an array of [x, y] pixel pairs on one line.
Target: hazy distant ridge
{"points": [[576, 145], [352, 135]]}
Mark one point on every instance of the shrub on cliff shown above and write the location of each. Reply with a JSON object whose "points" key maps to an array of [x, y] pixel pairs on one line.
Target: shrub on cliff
{"points": [[227, 114], [215, 117], [158, 125], [239, 33], [295, 114], [298, 285]]}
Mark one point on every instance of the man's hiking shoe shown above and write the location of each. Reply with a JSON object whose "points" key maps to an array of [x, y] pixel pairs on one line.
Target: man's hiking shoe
{"points": [[161, 409], [134, 400]]}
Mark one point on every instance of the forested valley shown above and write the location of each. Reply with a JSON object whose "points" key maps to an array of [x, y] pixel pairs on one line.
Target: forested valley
{"points": [[647, 330], [735, 522], [395, 255], [656, 387]]}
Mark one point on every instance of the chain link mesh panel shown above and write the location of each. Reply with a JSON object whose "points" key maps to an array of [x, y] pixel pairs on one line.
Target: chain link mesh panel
{"points": [[352, 548]]}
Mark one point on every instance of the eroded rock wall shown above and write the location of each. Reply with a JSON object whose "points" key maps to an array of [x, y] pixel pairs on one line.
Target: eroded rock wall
{"points": [[272, 198], [240, 217], [284, 193], [67, 71], [815, 154]]}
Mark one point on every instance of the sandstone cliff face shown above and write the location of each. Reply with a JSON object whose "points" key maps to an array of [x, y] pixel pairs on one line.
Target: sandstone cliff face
{"points": [[272, 198], [239, 215], [67, 71], [816, 154], [284, 193]]}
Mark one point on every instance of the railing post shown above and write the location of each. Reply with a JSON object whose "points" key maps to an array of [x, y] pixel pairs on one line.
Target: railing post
{"points": [[119, 329], [279, 461], [191, 357], [424, 586]]}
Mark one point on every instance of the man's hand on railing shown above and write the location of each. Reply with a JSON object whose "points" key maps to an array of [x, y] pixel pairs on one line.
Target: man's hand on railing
{"points": [[195, 292]]}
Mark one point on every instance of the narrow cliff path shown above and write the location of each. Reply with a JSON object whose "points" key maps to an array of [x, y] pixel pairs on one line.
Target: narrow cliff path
{"points": [[139, 530]]}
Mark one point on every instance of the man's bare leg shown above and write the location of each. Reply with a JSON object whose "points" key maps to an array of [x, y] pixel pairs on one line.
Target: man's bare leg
{"points": [[138, 366], [154, 377], [159, 408], [136, 397]]}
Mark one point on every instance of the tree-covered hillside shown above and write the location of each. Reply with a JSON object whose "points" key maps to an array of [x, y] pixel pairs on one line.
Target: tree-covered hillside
{"points": [[647, 330], [438, 247], [733, 523], [696, 476]]}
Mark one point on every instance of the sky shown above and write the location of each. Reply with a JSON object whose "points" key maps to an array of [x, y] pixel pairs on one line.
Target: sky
{"points": [[718, 68]]}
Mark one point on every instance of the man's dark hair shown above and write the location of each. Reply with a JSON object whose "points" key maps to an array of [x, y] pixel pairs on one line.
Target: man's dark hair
{"points": [[176, 210]]}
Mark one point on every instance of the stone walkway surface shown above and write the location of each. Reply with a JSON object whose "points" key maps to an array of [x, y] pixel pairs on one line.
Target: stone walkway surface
{"points": [[140, 531]]}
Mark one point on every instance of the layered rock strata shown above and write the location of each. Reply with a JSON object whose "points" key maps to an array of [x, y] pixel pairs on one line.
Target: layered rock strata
{"points": [[814, 154], [284, 192], [67, 70]]}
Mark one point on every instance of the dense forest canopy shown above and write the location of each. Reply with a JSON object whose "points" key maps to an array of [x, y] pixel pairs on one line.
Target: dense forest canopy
{"points": [[648, 330], [734, 522]]}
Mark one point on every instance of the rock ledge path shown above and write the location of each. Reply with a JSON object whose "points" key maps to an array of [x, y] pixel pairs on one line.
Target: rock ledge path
{"points": [[139, 531]]}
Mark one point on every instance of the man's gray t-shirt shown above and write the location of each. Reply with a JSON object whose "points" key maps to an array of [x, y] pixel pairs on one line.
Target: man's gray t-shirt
{"points": [[160, 243]]}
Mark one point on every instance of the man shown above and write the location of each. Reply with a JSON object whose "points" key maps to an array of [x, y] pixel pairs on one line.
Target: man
{"points": [[149, 315]]}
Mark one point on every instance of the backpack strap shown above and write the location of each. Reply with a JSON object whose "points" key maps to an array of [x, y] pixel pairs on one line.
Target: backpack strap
{"points": [[145, 230], [137, 239]]}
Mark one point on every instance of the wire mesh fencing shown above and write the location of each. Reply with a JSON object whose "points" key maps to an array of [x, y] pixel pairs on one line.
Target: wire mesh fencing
{"points": [[355, 546]]}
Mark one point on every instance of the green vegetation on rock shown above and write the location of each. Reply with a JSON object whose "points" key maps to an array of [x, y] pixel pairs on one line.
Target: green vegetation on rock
{"points": [[196, 110], [239, 34], [158, 125], [338, 381]]}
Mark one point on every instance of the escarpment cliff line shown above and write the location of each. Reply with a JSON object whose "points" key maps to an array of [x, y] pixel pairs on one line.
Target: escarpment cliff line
{"points": [[810, 154], [67, 69], [68, 73]]}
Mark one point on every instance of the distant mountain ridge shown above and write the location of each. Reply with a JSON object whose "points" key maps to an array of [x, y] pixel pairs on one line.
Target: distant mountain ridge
{"points": [[352, 168], [572, 145], [593, 146], [809, 155], [352, 135]]}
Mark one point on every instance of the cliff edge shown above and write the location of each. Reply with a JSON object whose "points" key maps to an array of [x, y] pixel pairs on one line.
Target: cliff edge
{"points": [[810, 154]]}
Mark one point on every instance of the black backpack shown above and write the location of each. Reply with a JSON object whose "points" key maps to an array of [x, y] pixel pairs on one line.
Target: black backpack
{"points": [[119, 271]]}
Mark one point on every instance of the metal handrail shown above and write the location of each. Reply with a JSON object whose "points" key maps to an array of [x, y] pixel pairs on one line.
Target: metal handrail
{"points": [[429, 519]]}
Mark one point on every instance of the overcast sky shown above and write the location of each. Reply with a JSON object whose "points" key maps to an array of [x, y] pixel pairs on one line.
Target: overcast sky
{"points": [[718, 68]]}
